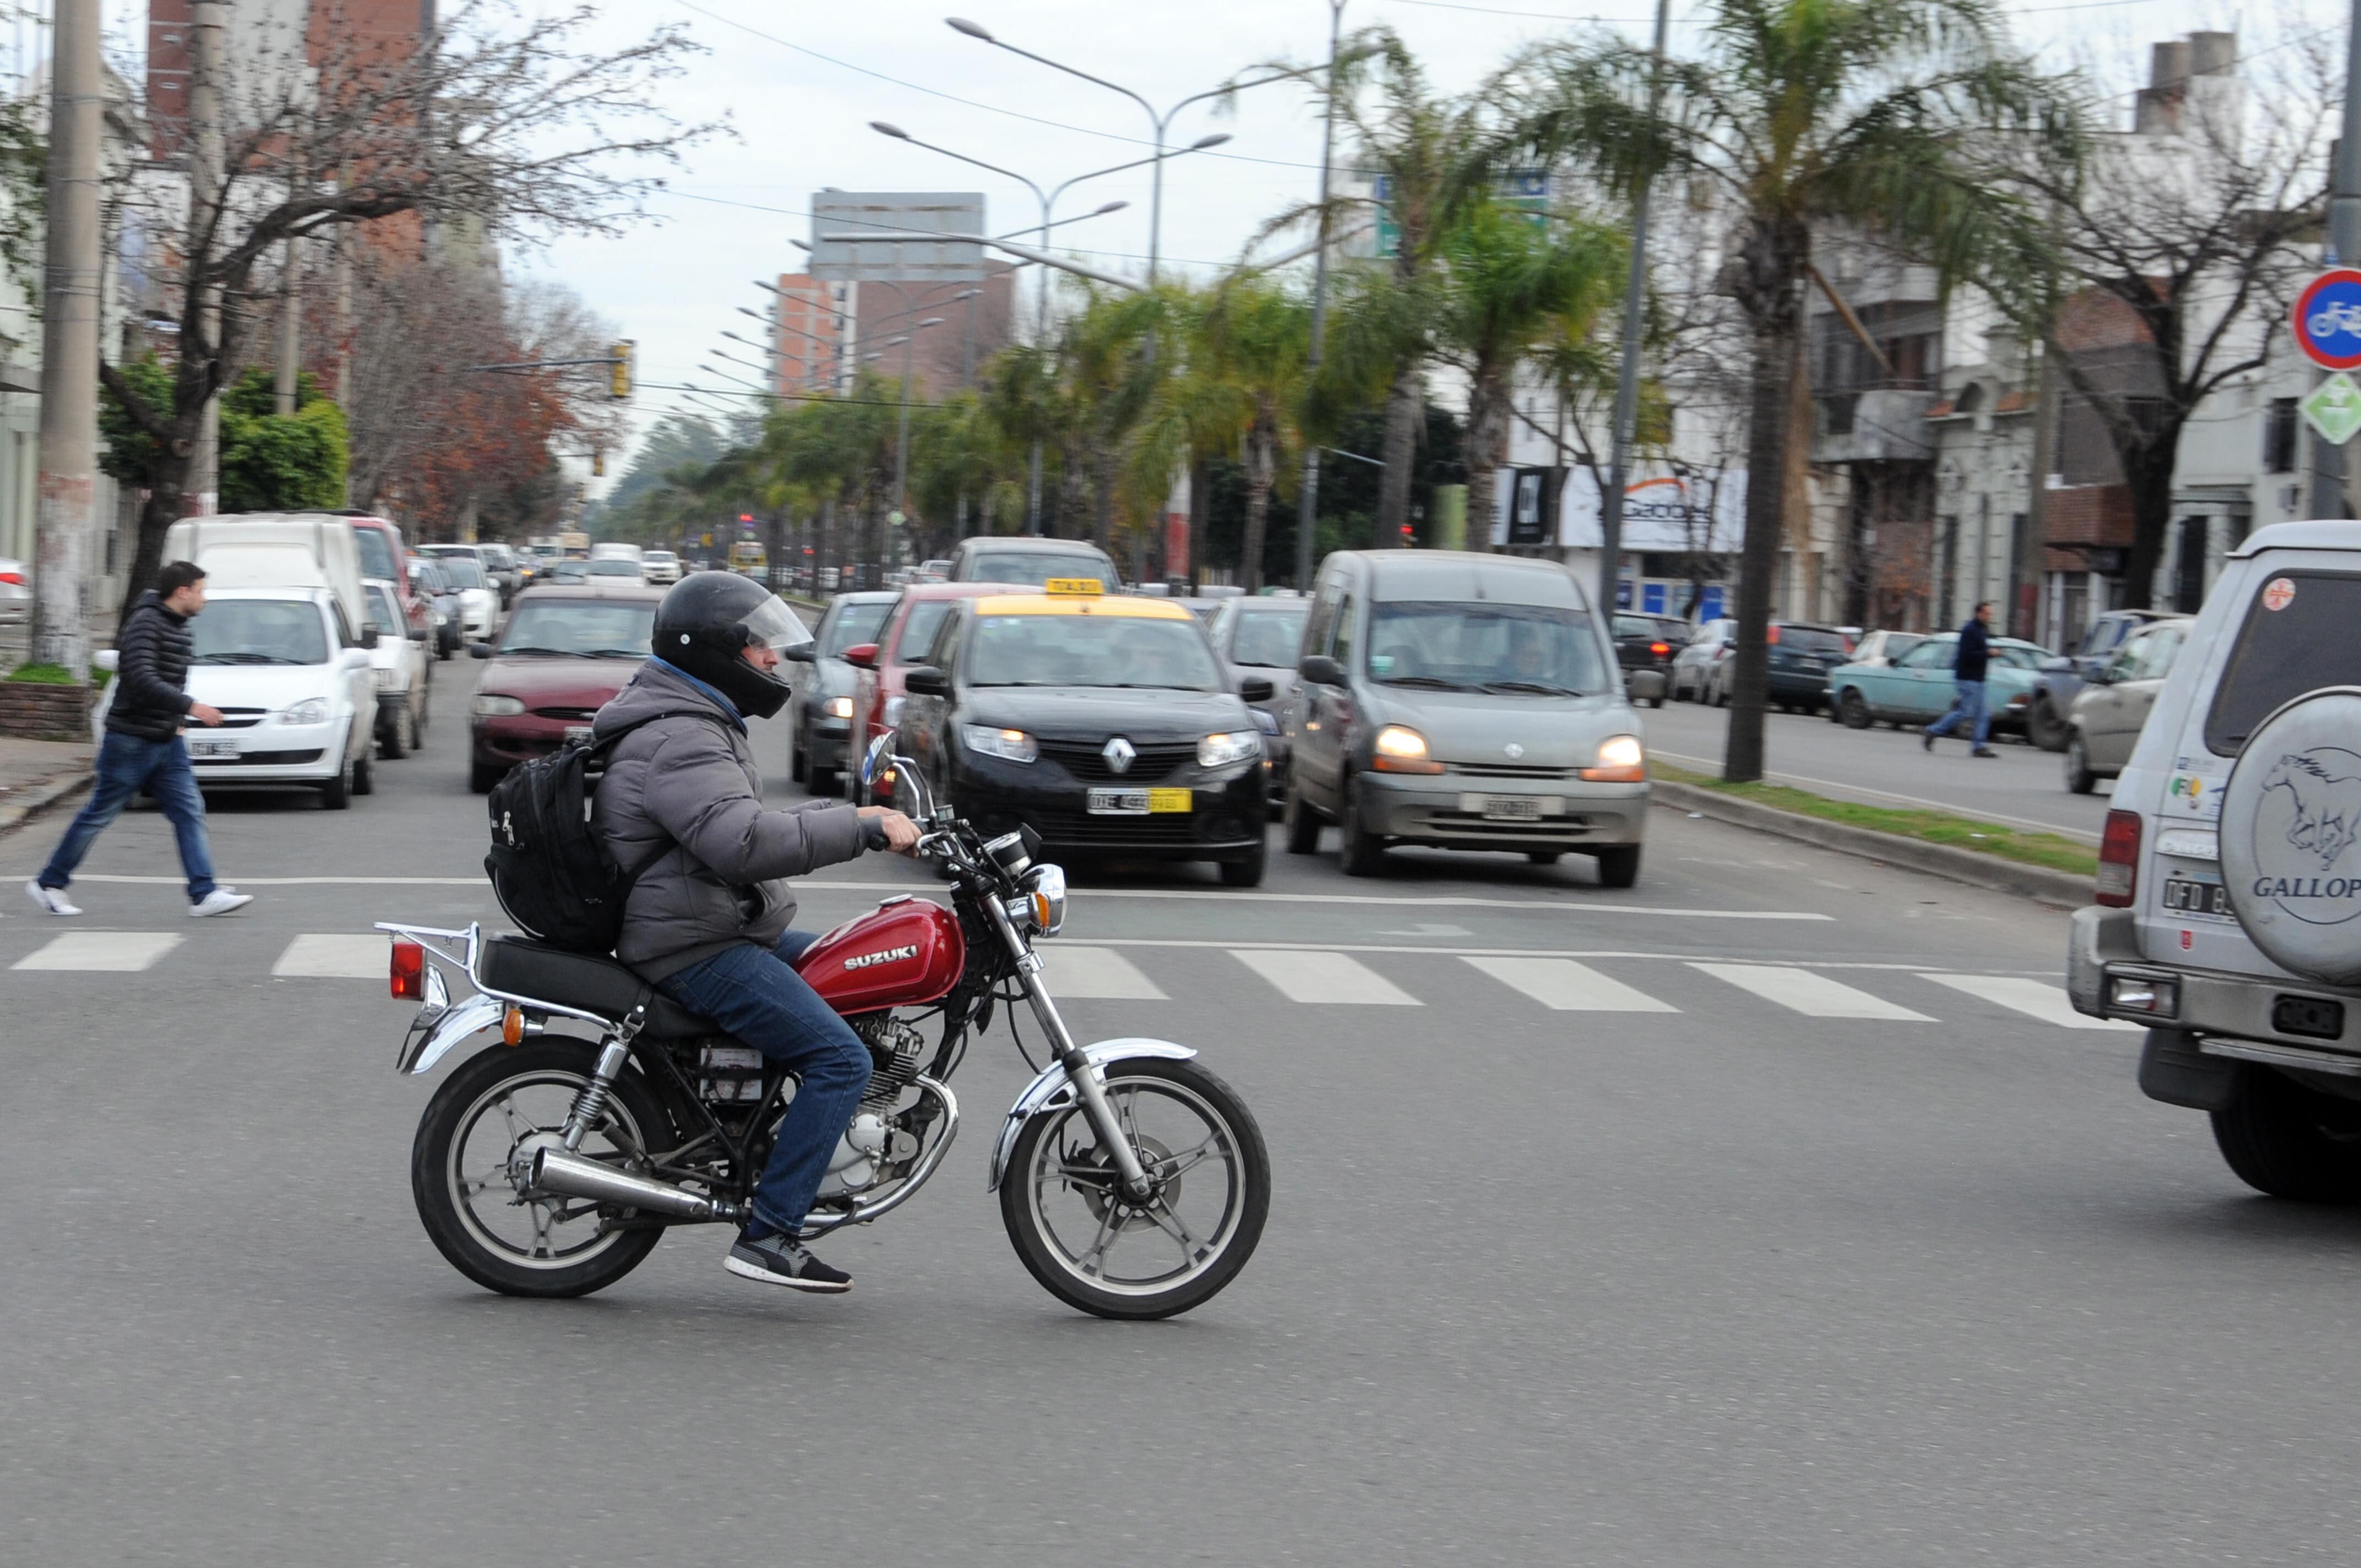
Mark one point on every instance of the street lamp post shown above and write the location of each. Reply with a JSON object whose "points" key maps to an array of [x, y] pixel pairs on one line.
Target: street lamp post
{"points": [[1307, 504]]}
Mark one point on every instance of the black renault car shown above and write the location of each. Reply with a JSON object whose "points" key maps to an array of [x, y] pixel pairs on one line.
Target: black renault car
{"points": [[1104, 724]]}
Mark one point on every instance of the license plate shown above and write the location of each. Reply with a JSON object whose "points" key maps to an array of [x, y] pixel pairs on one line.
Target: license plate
{"points": [[1140, 802], [2182, 896], [213, 750], [1512, 807]]}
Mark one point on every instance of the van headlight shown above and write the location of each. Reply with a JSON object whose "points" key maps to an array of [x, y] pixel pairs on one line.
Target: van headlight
{"points": [[839, 708], [491, 704], [1232, 746], [312, 710], [1009, 745], [1621, 760], [1399, 749]]}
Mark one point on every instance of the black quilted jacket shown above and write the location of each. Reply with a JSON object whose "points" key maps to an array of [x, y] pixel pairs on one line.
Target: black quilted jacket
{"points": [[151, 670]]}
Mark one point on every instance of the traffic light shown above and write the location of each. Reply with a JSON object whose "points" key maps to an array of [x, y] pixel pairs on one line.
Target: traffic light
{"points": [[619, 372], [1407, 539]]}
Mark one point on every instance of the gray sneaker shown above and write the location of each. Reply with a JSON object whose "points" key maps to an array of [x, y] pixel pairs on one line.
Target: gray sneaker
{"points": [[780, 1259]]}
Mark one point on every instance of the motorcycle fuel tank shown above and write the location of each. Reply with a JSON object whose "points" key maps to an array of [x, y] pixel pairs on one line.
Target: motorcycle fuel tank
{"points": [[900, 954]]}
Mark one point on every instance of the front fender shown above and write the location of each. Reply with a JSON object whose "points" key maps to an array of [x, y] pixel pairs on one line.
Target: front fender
{"points": [[477, 1013], [1042, 1093]]}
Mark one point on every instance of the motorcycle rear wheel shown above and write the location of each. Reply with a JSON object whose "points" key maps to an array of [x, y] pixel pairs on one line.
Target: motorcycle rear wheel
{"points": [[1067, 1219], [496, 1100]]}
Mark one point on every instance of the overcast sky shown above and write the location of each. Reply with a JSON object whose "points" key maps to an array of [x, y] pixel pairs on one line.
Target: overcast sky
{"points": [[675, 282]]}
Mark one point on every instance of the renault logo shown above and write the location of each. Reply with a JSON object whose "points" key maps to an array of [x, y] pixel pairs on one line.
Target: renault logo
{"points": [[1118, 754], [1513, 749]]}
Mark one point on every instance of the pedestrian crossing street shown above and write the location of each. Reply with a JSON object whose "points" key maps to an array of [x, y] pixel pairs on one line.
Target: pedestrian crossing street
{"points": [[1316, 977]]}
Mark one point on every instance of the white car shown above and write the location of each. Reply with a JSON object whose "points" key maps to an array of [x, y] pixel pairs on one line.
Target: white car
{"points": [[15, 592], [480, 597], [660, 568], [296, 689], [401, 669]]}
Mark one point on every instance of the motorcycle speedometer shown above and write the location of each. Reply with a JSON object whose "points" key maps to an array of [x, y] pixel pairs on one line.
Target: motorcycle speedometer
{"points": [[1009, 853]]}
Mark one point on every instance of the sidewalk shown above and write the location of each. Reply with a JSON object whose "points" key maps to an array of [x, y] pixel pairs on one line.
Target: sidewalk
{"points": [[35, 774]]}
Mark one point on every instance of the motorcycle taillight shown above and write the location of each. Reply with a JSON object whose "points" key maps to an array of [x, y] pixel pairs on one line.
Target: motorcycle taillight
{"points": [[407, 973]]}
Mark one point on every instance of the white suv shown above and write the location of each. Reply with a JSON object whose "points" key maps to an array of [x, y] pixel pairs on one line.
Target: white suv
{"points": [[2229, 888]]}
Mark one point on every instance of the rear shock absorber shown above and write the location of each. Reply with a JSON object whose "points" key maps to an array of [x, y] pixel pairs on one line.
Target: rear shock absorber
{"points": [[590, 1103]]}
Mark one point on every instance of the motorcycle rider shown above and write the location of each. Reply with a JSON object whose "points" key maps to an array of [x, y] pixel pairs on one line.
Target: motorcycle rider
{"points": [[708, 922]]}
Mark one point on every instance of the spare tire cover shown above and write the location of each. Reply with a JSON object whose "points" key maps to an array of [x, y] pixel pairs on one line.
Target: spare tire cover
{"points": [[2291, 835]]}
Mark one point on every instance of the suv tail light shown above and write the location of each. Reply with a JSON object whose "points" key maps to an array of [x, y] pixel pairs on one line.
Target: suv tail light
{"points": [[407, 973], [2119, 859], [17, 577]]}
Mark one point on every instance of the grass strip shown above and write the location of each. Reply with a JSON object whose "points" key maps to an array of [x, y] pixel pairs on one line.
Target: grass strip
{"points": [[42, 675], [2047, 849]]}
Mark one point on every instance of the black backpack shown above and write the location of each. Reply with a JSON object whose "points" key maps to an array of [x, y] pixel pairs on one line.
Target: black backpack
{"points": [[549, 863]]}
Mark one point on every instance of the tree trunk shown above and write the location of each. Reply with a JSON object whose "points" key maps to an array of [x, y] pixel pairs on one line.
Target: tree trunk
{"points": [[1774, 257], [1402, 408], [1262, 466], [1102, 469], [1488, 452], [2148, 475]]}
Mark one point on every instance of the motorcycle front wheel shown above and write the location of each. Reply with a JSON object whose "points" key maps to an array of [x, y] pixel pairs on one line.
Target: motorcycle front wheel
{"points": [[1096, 1247], [485, 1122]]}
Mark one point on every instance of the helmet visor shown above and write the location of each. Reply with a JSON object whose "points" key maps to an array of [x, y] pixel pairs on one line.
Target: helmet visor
{"points": [[773, 625]]}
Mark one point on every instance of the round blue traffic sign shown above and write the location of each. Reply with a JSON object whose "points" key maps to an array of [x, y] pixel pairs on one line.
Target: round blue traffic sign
{"points": [[2328, 319]]}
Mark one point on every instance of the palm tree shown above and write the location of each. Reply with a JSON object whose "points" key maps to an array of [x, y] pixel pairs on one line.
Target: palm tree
{"points": [[1515, 285], [1809, 113]]}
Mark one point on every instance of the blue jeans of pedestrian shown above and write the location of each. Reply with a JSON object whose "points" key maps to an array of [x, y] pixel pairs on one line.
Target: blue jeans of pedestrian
{"points": [[1967, 708], [756, 994], [126, 764]]}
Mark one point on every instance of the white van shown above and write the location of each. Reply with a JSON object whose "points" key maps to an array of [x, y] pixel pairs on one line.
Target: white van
{"points": [[2229, 886], [275, 550]]}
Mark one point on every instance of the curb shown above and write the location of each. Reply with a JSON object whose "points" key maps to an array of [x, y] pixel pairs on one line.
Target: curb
{"points": [[2064, 889], [26, 803]]}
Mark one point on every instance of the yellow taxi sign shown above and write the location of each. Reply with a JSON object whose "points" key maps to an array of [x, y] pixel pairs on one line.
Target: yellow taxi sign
{"points": [[1073, 585]]}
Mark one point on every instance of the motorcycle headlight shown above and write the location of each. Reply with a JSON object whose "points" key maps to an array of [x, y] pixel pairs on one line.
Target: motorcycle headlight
{"points": [[1009, 745], [313, 710], [839, 708], [491, 704], [1045, 890], [1234, 746]]}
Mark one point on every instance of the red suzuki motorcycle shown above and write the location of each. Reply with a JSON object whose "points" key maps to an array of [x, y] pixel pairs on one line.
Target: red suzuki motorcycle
{"points": [[1133, 1181]]}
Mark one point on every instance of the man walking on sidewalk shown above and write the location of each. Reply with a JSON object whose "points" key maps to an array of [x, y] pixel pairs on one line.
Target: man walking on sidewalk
{"points": [[143, 749], [1968, 680]]}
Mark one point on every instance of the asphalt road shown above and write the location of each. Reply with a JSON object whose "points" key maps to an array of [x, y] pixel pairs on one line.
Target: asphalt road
{"points": [[1819, 1239], [2022, 786]]}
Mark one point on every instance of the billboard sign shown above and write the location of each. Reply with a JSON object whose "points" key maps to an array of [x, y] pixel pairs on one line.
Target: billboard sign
{"points": [[897, 237]]}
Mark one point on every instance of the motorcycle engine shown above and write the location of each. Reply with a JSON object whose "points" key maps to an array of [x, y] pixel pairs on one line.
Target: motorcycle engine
{"points": [[894, 1051]]}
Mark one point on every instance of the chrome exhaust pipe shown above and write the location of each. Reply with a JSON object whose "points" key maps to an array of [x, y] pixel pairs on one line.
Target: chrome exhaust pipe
{"points": [[578, 1176]]}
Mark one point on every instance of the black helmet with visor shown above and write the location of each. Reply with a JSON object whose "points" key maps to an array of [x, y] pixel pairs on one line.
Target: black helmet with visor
{"points": [[707, 622]]}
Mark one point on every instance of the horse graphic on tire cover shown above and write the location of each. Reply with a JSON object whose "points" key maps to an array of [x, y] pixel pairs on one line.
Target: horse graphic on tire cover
{"points": [[2326, 816], [2290, 816]]}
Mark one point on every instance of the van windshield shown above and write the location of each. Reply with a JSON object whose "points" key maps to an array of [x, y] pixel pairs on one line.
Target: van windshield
{"points": [[258, 632], [2299, 637], [1484, 646], [377, 556]]}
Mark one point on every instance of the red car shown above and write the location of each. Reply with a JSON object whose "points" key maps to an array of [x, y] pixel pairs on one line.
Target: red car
{"points": [[901, 642], [567, 648]]}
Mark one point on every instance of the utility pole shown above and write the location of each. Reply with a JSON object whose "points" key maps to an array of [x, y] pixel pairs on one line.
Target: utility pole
{"points": [[2343, 250], [288, 381], [68, 434], [207, 17], [1307, 505], [2026, 566], [1627, 373]]}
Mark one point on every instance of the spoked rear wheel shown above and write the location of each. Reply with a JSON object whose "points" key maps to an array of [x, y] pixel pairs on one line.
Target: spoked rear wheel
{"points": [[483, 1126], [1093, 1247]]}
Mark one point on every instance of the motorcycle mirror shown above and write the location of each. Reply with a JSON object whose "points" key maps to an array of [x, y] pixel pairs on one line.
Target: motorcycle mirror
{"points": [[877, 759]]}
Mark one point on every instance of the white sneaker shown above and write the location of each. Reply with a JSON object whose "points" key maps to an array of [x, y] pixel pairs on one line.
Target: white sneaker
{"points": [[51, 899], [220, 901]]}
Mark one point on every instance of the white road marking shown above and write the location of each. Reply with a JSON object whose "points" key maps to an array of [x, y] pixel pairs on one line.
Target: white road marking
{"points": [[325, 956], [2034, 998], [1324, 978], [1564, 986], [1813, 996], [1099, 974], [1652, 956], [120, 951]]}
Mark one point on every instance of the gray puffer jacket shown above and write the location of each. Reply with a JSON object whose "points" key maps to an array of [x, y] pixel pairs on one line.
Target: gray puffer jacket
{"points": [[690, 781]]}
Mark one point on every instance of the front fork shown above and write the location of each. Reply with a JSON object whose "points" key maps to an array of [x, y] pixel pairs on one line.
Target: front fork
{"points": [[1080, 1072]]}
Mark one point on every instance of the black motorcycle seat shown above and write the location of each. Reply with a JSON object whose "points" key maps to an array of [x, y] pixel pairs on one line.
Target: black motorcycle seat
{"points": [[517, 967]]}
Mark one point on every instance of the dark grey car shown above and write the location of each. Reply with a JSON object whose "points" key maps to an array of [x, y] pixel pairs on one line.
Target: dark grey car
{"points": [[2063, 677], [821, 713], [1016, 558], [1265, 637]]}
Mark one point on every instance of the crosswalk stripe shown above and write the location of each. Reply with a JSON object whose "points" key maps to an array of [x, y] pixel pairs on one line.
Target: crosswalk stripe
{"points": [[121, 951], [1324, 978], [1094, 974], [333, 955], [1566, 986], [1813, 996], [2034, 998]]}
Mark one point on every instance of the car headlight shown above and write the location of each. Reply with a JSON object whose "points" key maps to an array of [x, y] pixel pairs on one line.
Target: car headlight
{"points": [[892, 711], [1621, 760], [492, 705], [839, 708], [1232, 746], [1009, 745], [1400, 750], [1044, 893], [313, 710]]}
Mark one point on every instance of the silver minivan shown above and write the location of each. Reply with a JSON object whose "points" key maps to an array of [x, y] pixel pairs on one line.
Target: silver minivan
{"points": [[1462, 702]]}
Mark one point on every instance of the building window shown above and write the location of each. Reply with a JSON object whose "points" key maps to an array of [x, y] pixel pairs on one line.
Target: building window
{"points": [[2279, 437]]}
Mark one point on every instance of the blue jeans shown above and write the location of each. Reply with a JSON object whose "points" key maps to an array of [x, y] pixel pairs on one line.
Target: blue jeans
{"points": [[126, 765], [759, 998], [1967, 706]]}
